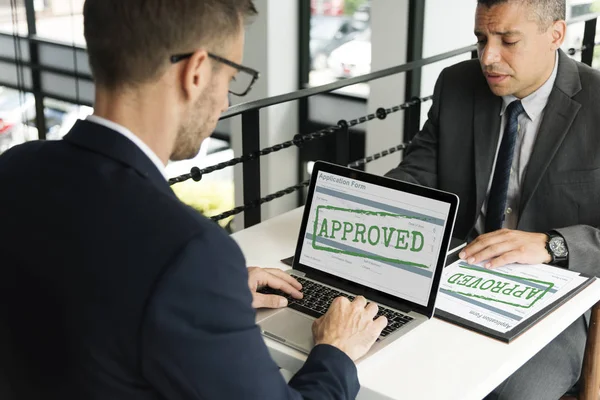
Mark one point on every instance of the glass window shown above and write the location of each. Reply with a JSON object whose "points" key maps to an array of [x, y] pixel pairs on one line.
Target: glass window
{"points": [[60, 20], [438, 19], [61, 116], [577, 10], [18, 117], [340, 42], [16, 109], [574, 36], [595, 8], [13, 20], [596, 59]]}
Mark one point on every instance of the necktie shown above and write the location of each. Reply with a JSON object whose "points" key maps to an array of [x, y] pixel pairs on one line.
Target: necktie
{"points": [[496, 207]]}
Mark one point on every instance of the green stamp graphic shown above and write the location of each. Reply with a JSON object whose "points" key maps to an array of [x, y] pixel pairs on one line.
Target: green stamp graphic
{"points": [[337, 225], [478, 283]]}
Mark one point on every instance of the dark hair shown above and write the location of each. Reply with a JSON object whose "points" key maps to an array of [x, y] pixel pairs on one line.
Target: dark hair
{"points": [[546, 11], [129, 42]]}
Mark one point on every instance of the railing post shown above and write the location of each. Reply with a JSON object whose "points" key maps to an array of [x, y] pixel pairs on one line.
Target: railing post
{"points": [[36, 76], [304, 78], [416, 15], [413, 120], [589, 39], [251, 169], [342, 144]]}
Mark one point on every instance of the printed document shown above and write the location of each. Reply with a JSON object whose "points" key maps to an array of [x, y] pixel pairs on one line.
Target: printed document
{"points": [[502, 298]]}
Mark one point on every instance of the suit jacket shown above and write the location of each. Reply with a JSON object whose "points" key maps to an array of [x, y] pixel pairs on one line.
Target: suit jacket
{"points": [[561, 190], [111, 288]]}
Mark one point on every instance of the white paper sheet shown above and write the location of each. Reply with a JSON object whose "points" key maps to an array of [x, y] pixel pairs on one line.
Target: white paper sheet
{"points": [[502, 298]]}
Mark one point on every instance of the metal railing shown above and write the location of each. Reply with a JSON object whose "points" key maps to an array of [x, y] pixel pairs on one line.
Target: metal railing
{"points": [[251, 146], [251, 122]]}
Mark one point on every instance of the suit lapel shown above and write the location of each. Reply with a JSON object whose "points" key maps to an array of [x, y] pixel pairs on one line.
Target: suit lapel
{"points": [[486, 129], [559, 115], [111, 144]]}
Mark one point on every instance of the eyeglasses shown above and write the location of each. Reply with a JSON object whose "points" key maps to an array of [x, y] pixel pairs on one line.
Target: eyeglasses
{"points": [[242, 82]]}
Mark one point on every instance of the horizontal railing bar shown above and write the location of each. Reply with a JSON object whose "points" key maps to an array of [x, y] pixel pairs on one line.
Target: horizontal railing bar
{"points": [[300, 94], [66, 99], [41, 40], [249, 205], [47, 68], [381, 113], [303, 93], [58, 43]]}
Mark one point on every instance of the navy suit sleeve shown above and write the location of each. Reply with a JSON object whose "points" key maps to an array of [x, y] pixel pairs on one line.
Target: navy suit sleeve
{"points": [[200, 339]]}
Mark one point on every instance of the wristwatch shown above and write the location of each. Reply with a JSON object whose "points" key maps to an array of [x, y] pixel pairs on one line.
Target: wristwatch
{"points": [[557, 248]]}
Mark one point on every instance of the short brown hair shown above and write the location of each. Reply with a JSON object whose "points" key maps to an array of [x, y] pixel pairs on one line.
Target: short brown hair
{"points": [[129, 42]]}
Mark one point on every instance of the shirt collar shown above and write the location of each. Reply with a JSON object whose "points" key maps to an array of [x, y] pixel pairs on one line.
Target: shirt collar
{"points": [[535, 103], [131, 136]]}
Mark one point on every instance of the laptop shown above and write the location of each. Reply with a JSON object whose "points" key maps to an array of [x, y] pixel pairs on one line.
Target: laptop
{"points": [[363, 234]]}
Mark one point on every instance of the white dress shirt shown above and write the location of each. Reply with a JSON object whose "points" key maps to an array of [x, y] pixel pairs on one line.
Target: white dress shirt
{"points": [[529, 124], [131, 136]]}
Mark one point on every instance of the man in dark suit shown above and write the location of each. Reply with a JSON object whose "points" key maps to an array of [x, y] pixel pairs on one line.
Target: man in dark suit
{"points": [[110, 287], [520, 145]]}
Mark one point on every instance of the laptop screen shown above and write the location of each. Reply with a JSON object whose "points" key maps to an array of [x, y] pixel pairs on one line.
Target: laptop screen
{"points": [[379, 237]]}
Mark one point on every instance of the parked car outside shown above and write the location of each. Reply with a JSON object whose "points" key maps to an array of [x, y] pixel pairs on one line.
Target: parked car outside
{"points": [[15, 109], [352, 58], [328, 33], [327, 7], [18, 118], [61, 116]]}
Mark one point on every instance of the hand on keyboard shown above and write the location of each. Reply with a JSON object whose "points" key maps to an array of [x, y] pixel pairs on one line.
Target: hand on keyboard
{"points": [[350, 326], [318, 298], [277, 281]]}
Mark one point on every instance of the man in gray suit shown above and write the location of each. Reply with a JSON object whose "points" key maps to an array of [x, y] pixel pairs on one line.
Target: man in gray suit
{"points": [[520, 144]]}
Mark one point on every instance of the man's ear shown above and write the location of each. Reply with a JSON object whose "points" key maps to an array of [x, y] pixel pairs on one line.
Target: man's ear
{"points": [[558, 30], [196, 74]]}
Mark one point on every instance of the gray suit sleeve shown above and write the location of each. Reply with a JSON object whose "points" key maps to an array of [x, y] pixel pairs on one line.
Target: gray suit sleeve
{"points": [[583, 243], [420, 161]]}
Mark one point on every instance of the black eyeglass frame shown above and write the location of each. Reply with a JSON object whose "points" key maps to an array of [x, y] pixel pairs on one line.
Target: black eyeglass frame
{"points": [[254, 73]]}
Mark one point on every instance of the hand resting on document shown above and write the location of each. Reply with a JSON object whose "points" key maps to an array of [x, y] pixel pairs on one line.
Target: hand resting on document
{"points": [[507, 246]]}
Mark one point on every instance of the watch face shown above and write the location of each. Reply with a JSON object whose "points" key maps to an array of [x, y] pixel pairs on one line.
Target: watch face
{"points": [[557, 245]]}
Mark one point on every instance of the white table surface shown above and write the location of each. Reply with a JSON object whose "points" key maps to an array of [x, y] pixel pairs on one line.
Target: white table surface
{"points": [[437, 360]]}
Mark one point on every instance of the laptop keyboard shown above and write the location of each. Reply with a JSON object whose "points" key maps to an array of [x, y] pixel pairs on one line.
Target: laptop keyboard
{"points": [[317, 299]]}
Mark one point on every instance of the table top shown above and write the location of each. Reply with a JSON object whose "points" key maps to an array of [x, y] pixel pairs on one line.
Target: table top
{"points": [[438, 360]]}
